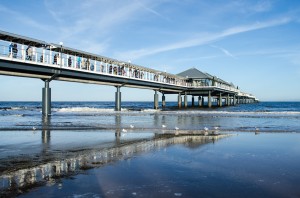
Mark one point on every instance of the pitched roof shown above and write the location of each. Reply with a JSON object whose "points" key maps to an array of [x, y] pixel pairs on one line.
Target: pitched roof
{"points": [[194, 73]]}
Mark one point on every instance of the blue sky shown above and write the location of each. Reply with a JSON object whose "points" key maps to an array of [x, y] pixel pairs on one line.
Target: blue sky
{"points": [[254, 44]]}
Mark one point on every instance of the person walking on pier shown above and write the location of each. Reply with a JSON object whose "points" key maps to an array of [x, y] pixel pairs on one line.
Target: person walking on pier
{"points": [[10, 47], [78, 62], [15, 50], [55, 59], [29, 53], [69, 61]]}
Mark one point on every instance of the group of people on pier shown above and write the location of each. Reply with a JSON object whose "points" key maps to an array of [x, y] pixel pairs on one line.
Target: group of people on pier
{"points": [[46, 55]]}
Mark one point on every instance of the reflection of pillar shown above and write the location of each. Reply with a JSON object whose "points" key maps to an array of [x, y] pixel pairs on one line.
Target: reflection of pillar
{"points": [[199, 101], [179, 100], [185, 100], [155, 100], [118, 99], [202, 101], [209, 99], [118, 128], [220, 100], [193, 101], [46, 133], [46, 99], [163, 101]]}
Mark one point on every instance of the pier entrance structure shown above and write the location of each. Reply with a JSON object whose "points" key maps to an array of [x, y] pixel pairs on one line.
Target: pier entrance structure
{"points": [[27, 57]]}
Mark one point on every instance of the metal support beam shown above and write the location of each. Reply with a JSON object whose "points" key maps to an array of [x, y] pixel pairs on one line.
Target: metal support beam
{"points": [[163, 101], [46, 99], [179, 100], [185, 100], [209, 99], [155, 100], [118, 99]]}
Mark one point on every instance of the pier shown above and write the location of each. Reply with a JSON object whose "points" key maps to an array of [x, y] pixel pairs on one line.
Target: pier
{"points": [[32, 58]]}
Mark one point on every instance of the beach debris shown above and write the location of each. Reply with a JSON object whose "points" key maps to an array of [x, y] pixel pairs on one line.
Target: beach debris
{"points": [[163, 126], [131, 126], [176, 128], [124, 130]]}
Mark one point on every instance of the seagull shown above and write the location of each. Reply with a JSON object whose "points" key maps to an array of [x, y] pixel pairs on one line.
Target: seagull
{"points": [[216, 128], [33, 128], [124, 130], [256, 129], [176, 128], [131, 126], [205, 128], [163, 126]]}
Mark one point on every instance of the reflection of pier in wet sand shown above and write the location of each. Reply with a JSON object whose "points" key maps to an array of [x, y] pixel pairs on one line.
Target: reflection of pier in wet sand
{"points": [[18, 179]]}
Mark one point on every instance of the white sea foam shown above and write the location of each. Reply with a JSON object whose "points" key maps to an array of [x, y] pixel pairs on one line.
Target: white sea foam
{"points": [[234, 112], [87, 110], [150, 110]]}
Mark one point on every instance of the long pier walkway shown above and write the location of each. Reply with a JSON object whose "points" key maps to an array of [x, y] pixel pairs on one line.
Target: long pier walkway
{"points": [[27, 57]]}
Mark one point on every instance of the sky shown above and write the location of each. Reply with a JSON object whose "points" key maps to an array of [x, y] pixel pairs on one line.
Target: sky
{"points": [[253, 43]]}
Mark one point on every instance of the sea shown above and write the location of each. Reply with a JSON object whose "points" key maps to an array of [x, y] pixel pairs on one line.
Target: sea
{"points": [[86, 149]]}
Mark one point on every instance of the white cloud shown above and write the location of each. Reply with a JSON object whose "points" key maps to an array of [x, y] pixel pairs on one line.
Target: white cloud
{"points": [[202, 39], [226, 52]]}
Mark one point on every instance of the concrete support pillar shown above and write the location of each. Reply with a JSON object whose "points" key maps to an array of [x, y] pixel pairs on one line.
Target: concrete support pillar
{"points": [[202, 101], [193, 101], [199, 101], [185, 100], [163, 104], [118, 99], [220, 100], [209, 99], [46, 99], [228, 100], [155, 100], [234, 101], [179, 100]]}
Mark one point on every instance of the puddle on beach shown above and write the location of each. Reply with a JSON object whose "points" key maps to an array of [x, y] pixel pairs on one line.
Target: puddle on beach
{"points": [[147, 164]]}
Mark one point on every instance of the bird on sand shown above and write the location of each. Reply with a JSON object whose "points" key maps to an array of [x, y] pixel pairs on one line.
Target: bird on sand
{"points": [[176, 128], [131, 126], [33, 128], [163, 126], [205, 128], [124, 130]]}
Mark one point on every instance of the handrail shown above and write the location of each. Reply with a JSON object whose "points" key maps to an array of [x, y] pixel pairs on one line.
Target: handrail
{"points": [[55, 57]]}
